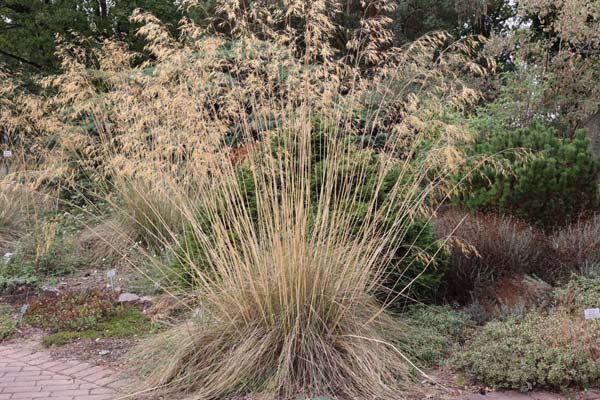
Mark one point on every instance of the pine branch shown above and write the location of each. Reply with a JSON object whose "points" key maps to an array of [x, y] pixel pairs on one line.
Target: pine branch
{"points": [[21, 59]]}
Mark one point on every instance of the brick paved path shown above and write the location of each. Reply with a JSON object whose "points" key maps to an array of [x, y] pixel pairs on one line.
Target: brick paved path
{"points": [[30, 375], [514, 395], [26, 374]]}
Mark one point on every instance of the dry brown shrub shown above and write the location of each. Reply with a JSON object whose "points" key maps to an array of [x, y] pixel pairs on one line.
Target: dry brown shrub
{"points": [[488, 247], [579, 246]]}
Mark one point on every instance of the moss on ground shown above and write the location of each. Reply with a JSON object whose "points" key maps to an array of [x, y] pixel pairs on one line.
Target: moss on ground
{"points": [[128, 323]]}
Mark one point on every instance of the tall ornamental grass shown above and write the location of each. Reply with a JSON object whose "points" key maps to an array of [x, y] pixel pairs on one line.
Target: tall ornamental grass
{"points": [[283, 286]]}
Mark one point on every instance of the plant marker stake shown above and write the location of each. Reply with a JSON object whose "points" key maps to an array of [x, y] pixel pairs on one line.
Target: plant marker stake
{"points": [[111, 274], [592, 313], [6, 154], [24, 309]]}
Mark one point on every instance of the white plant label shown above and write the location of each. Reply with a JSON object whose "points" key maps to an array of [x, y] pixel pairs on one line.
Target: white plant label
{"points": [[7, 154], [592, 313], [111, 275]]}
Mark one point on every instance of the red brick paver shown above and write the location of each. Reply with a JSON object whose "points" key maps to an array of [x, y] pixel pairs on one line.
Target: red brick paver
{"points": [[30, 375]]}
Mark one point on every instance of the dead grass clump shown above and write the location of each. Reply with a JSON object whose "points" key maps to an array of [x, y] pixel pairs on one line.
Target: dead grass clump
{"points": [[11, 221], [105, 242], [146, 210], [19, 205], [579, 246], [143, 213], [486, 248]]}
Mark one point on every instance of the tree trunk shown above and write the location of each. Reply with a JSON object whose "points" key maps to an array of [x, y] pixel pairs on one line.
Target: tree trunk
{"points": [[103, 8]]}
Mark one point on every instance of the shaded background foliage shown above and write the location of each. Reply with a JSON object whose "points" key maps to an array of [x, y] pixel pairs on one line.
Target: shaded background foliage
{"points": [[29, 28], [547, 181]]}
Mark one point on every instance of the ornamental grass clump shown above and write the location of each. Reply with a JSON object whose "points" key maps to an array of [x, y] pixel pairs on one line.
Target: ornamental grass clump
{"points": [[286, 287], [288, 302]]}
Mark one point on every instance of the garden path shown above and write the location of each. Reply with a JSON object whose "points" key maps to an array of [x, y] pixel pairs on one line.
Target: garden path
{"points": [[515, 395], [28, 374]]}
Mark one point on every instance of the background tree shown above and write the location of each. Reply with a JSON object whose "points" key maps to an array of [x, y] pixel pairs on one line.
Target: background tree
{"points": [[553, 50], [29, 28], [414, 18]]}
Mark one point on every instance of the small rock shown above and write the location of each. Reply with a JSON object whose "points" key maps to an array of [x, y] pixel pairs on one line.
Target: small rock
{"points": [[103, 352], [128, 298], [51, 290], [146, 299], [591, 394]]}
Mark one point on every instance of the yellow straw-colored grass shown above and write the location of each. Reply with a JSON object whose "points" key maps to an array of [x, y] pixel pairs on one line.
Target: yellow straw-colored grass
{"points": [[284, 288]]}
